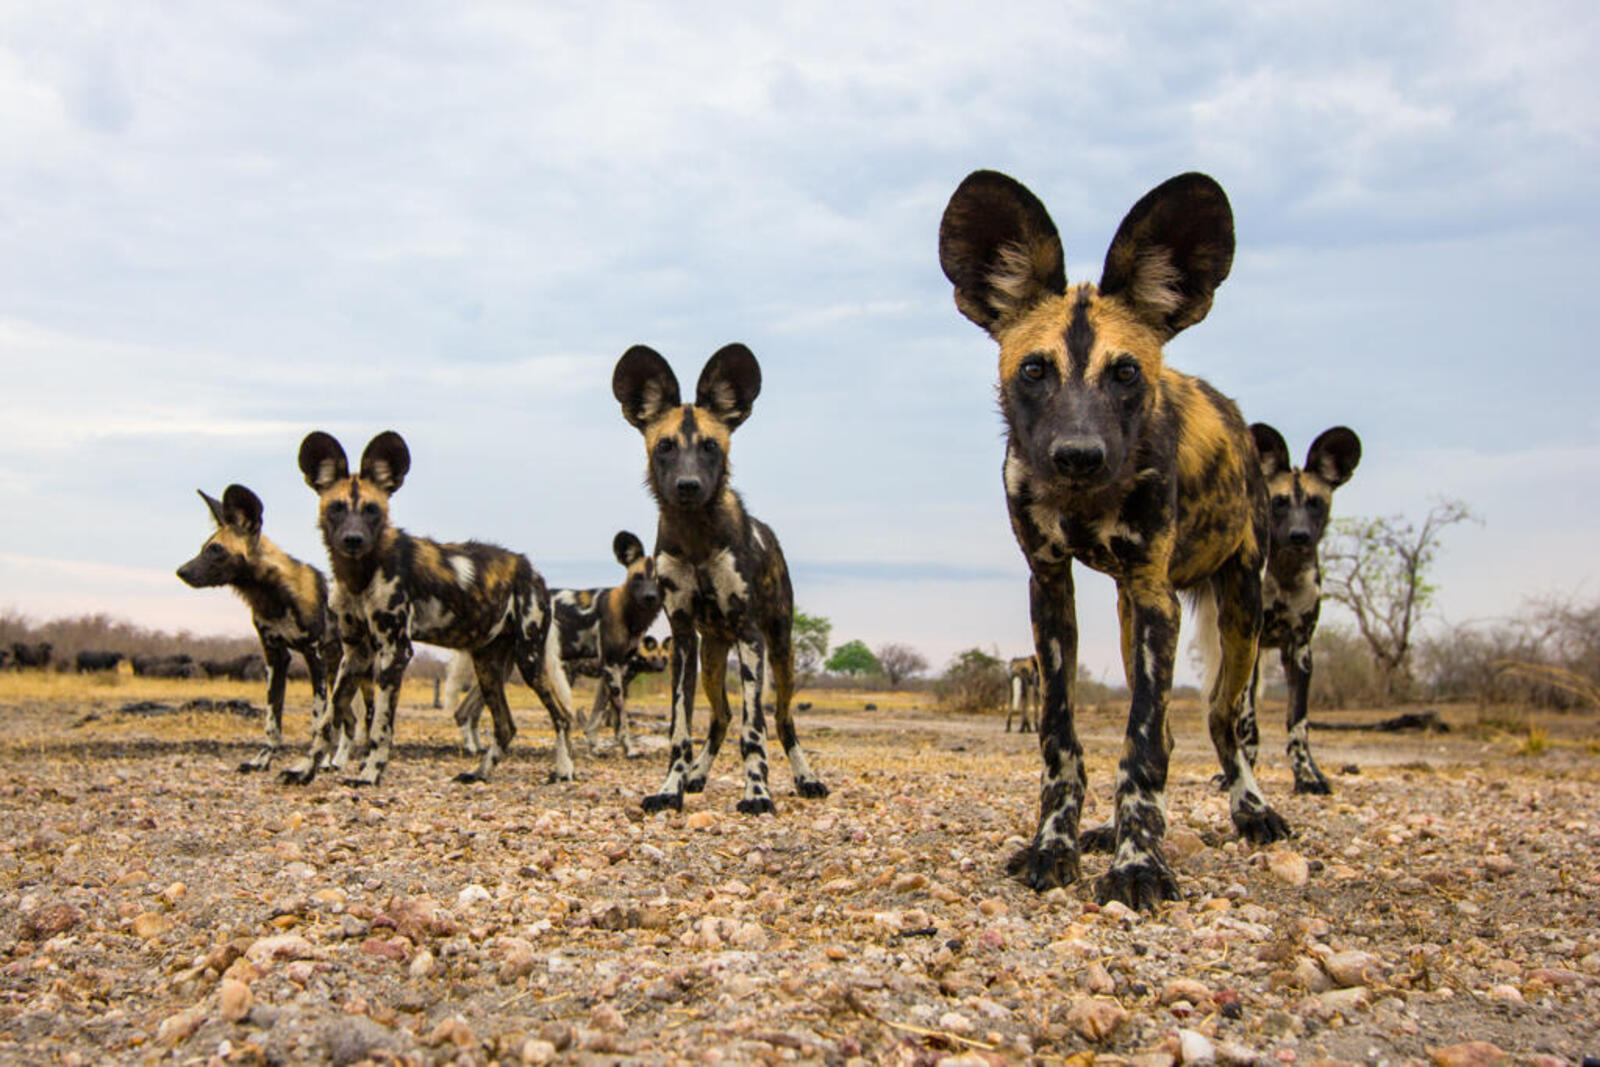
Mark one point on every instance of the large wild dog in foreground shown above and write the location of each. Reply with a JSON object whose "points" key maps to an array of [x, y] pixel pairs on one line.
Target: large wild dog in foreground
{"points": [[1136, 470], [722, 573], [391, 588], [1300, 500], [600, 631], [288, 603]]}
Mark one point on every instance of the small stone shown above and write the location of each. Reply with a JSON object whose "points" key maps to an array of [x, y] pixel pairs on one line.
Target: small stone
{"points": [[1096, 979], [173, 893], [1182, 845], [421, 964], [1310, 977], [454, 1031], [836, 952], [1506, 992], [1195, 1047], [517, 959], [393, 948], [1188, 989], [1469, 1054], [1346, 1002], [473, 895], [149, 925], [279, 947], [955, 1023], [701, 820], [41, 924], [1352, 968], [605, 1016], [176, 1029], [536, 1051], [1288, 867], [1095, 1019], [234, 999]]}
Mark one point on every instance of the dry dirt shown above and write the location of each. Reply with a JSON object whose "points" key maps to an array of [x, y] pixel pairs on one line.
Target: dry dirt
{"points": [[157, 905]]}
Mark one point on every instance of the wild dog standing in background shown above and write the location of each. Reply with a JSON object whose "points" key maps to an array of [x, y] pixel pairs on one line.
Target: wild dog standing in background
{"points": [[1299, 499], [721, 570], [600, 630], [391, 588], [288, 603], [651, 657], [1136, 470], [1022, 674]]}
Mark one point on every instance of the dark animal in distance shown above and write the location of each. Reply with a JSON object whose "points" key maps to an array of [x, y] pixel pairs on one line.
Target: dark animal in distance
{"points": [[94, 660], [600, 631], [1022, 673], [391, 588], [288, 603], [722, 572], [170, 665], [250, 667], [1299, 499], [1132, 468], [31, 653]]}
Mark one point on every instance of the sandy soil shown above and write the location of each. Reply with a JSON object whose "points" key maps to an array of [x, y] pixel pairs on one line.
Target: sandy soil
{"points": [[157, 905]]}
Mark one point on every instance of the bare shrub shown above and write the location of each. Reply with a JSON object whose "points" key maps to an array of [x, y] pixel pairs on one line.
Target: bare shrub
{"points": [[1345, 674], [974, 683]]}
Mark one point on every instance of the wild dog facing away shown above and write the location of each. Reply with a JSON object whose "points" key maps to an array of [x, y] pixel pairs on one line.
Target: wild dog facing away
{"points": [[1299, 501], [288, 603], [391, 588], [1023, 675], [600, 631], [721, 570], [1136, 470]]}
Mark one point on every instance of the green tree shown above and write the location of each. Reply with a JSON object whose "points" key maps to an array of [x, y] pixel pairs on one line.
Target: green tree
{"points": [[852, 657], [1379, 570], [810, 637]]}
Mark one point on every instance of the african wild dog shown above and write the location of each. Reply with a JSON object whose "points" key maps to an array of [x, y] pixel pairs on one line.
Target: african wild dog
{"points": [[1300, 499], [1134, 469], [288, 603], [1023, 675], [93, 660], [600, 633], [391, 588], [721, 570], [651, 657]]}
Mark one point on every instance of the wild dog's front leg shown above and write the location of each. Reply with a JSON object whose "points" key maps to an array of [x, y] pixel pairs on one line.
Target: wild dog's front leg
{"points": [[714, 680], [1238, 591], [780, 661], [680, 745], [1308, 777], [393, 656], [549, 681], [1139, 875], [757, 798], [276, 653], [469, 709], [1052, 858], [330, 727], [615, 688]]}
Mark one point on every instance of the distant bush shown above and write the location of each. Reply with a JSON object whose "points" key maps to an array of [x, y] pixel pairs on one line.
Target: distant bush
{"points": [[974, 683]]}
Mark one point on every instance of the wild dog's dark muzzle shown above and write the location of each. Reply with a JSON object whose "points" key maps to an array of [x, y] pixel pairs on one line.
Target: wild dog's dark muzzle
{"points": [[1078, 458]]}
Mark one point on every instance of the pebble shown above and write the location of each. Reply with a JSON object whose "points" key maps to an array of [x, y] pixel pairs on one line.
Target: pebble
{"points": [[1506, 992], [1195, 1047], [234, 999], [1310, 977], [1188, 989], [1098, 980], [473, 895], [1469, 1054], [537, 1051], [702, 820], [955, 1023], [41, 924], [279, 947], [1288, 867], [1349, 969], [150, 925], [1181, 845], [178, 1028], [1095, 1019], [453, 1030], [421, 964], [1346, 1002]]}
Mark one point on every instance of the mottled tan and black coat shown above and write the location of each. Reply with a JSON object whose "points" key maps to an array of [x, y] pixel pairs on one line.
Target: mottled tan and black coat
{"points": [[288, 603], [722, 572], [1117, 461], [1022, 675], [390, 589], [599, 631], [1300, 500]]}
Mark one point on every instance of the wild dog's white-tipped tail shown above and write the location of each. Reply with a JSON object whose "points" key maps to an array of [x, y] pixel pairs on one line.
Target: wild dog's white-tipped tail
{"points": [[1207, 640]]}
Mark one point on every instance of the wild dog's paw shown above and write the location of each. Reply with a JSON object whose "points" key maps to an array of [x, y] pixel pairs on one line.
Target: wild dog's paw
{"points": [[1044, 868], [300, 774], [1317, 786], [473, 775], [259, 762], [1102, 838], [757, 806], [560, 776], [1261, 827], [662, 801], [1219, 782], [694, 785], [810, 787], [1143, 885]]}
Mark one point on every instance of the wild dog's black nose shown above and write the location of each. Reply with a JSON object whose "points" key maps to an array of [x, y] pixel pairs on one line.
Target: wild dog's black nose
{"points": [[688, 488], [1299, 538], [353, 542], [1078, 457], [651, 596]]}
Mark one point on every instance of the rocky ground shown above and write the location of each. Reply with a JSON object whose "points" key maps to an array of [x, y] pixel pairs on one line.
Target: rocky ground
{"points": [[1443, 905]]}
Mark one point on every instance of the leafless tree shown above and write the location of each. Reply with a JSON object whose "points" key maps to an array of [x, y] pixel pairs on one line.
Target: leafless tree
{"points": [[900, 662]]}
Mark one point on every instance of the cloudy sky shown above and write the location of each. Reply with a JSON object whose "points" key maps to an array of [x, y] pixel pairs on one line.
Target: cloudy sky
{"points": [[225, 225]]}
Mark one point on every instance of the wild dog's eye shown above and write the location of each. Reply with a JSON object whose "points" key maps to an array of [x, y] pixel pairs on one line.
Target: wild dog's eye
{"points": [[1126, 372], [665, 446], [709, 447], [1315, 504], [370, 511], [215, 549], [337, 508], [1280, 503], [1034, 368]]}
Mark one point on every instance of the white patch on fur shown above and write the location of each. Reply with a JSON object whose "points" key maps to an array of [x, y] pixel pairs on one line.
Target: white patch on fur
{"points": [[680, 574], [725, 579], [1155, 281], [327, 472], [1208, 641], [1014, 281], [464, 569]]}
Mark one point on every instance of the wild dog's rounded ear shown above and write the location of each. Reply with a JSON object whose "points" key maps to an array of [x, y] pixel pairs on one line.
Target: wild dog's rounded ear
{"points": [[1171, 252], [214, 505], [729, 384], [1271, 447], [627, 548], [1334, 454], [999, 248], [322, 460], [241, 509], [644, 385], [385, 461]]}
